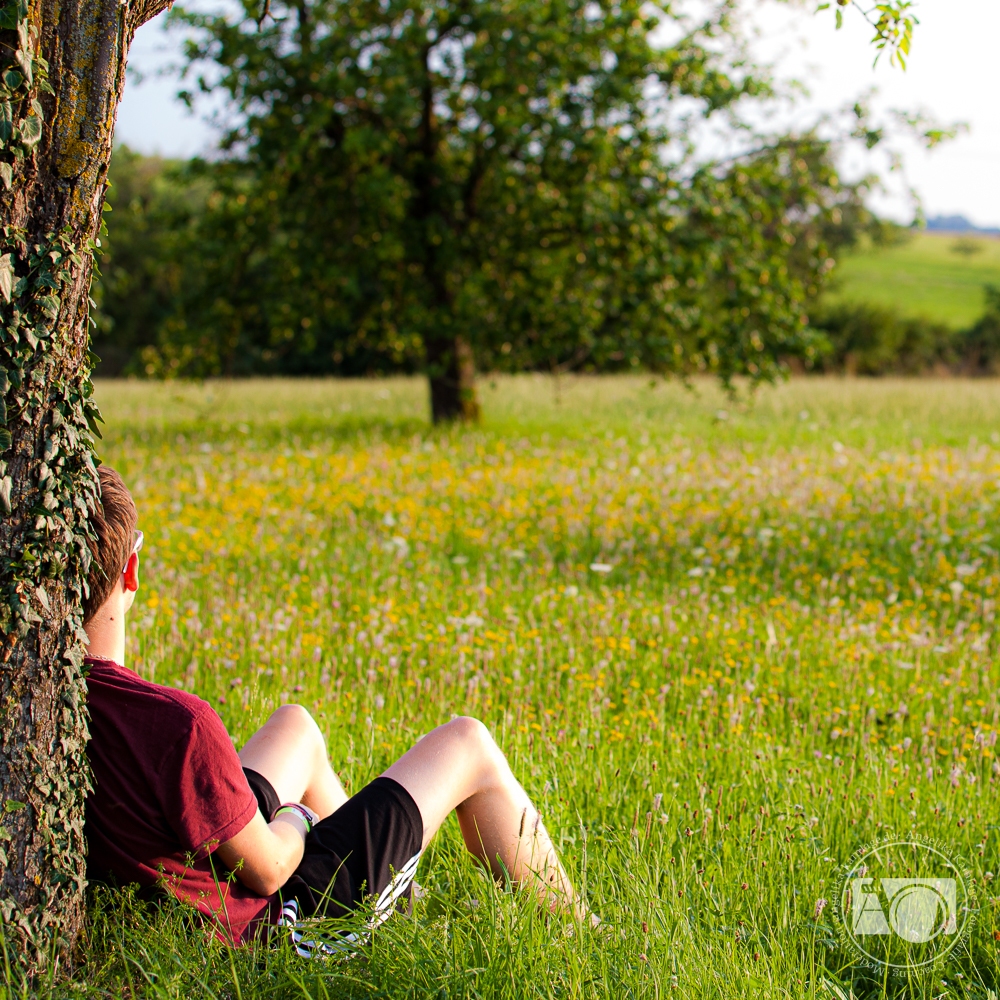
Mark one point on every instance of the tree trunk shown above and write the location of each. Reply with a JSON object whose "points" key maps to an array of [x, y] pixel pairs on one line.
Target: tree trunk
{"points": [[451, 367], [452, 373], [63, 64]]}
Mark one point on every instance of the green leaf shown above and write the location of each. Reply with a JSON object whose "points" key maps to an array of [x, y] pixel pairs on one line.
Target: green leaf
{"points": [[6, 120], [6, 276], [31, 130], [91, 423], [8, 17], [12, 805], [22, 58], [7, 174], [13, 78], [49, 305]]}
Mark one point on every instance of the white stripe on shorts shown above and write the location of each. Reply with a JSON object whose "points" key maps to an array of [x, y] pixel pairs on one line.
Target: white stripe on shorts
{"points": [[311, 946]]}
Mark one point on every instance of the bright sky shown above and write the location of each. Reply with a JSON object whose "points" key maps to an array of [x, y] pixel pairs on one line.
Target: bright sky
{"points": [[949, 77]]}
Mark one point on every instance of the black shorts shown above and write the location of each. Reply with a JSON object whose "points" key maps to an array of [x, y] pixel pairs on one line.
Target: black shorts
{"points": [[369, 847]]}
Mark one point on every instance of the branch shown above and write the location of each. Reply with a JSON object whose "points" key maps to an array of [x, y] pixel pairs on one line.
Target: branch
{"points": [[893, 22], [893, 29], [142, 11]]}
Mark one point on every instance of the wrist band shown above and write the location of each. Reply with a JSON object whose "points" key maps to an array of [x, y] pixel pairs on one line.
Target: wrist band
{"points": [[296, 809]]}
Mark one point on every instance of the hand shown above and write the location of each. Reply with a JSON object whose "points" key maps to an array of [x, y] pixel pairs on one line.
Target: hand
{"points": [[263, 854]]}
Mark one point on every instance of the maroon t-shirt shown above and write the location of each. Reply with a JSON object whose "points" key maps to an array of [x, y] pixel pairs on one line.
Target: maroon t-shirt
{"points": [[168, 789]]}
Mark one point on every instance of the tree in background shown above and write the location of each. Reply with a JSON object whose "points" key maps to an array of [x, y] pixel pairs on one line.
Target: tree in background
{"points": [[503, 184], [146, 258]]}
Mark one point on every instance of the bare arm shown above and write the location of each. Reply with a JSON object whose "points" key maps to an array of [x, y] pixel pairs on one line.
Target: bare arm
{"points": [[264, 855], [290, 752]]}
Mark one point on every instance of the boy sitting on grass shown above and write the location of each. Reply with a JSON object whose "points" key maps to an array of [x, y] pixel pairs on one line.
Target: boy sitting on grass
{"points": [[175, 807]]}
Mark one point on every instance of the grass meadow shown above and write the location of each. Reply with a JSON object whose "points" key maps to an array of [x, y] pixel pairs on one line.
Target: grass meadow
{"points": [[936, 275], [723, 645]]}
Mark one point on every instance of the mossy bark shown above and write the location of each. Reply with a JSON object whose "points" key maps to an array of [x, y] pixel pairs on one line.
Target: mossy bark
{"points": [[50, 212]]}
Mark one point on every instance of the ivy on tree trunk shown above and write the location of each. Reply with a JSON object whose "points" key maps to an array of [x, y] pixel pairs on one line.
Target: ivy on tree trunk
{"points": [[62, 72]]}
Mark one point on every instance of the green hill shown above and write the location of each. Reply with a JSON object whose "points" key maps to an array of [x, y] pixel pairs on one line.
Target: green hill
{"points": [[936, 275]]}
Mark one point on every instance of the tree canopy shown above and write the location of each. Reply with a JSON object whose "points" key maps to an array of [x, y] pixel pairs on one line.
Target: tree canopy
{"points": [[501, 184]]}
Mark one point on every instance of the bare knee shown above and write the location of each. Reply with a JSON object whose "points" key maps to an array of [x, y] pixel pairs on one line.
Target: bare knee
{"points": [[292, 715], [477, 742], [469, 731], [298, 719]]}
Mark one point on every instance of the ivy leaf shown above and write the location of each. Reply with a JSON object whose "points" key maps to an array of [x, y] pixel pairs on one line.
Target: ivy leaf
{"points": [[6, 276], [12, 805], [4, 381], [13, 78], [8, 18], [6, 120], [3, 410], [6, 484], [49, 305], [7, 174], [92, 415], [31, 130], [24, 61]]}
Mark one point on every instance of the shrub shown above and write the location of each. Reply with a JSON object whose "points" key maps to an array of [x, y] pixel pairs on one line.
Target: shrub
{"points": [[866, 339], [981, 342]]}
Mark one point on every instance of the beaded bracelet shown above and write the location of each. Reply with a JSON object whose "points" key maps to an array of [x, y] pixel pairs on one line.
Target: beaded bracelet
{"points": [[296, 809]]}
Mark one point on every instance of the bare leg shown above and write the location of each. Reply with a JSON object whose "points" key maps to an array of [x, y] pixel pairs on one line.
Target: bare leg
{"points": [[458, 766], [289, 750]]}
